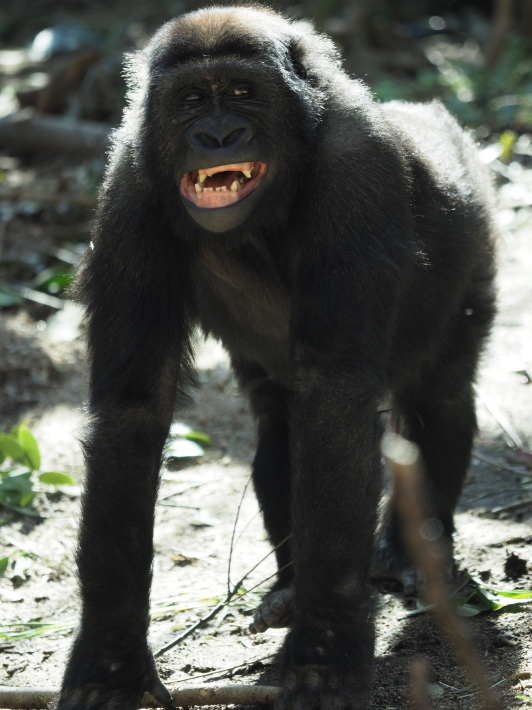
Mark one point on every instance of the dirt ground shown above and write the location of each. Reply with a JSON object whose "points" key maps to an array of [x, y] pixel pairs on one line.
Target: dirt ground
{"points": [[196, 515]]}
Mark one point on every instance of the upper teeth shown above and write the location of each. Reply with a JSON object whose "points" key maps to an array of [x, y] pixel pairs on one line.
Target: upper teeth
{"points": [[244, 168]]}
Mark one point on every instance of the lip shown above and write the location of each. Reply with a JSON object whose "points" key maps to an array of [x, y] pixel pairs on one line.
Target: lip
{"points": [[222, 185]]}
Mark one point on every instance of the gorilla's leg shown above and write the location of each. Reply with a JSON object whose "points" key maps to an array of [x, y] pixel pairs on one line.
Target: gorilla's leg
{"points": [[271, 479], [438, 414], [444, 432]]}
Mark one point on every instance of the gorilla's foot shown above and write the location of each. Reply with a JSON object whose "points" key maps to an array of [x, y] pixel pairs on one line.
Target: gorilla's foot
{"points": [[327, 667], [391, 562], [320, 688], [276, 610], [392, 565]]}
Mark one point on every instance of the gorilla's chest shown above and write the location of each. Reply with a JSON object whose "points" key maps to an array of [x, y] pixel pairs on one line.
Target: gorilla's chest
{"points": [[245, 303]]}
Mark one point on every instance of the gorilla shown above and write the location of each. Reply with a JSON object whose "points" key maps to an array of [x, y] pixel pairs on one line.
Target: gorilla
{"points": [[342, 251]]}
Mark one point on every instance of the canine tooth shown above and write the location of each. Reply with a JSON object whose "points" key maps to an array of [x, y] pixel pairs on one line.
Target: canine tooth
{"points": [[198, 188], [202, 178], [234, 186], [247, 173]]}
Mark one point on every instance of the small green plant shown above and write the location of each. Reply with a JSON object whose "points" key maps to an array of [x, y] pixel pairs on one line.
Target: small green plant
{"points": [[20, 463], [483, 599]]}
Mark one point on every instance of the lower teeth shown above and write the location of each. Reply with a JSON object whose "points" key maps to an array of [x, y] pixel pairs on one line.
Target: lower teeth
{"points": [[235, 185]]}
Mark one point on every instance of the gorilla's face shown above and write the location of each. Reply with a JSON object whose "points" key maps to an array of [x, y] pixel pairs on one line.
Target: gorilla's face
{"points": [[230, 118]]}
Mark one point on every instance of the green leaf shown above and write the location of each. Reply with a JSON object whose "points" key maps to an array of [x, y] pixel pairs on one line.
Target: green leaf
{"points": [[57, 478], [3, 565], [199, 437], [420, 609], [16, 488], [11, 448], [496, 599], [506, 141], [26, 498], [53, 279], [30, 446], [481, 600], [23, 511]]}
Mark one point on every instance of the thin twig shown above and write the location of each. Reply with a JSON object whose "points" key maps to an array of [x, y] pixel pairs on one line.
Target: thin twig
{"points": [[233, 534], [226, 670], [201, 622], [513, 438], [492, 491], [274, 549], [246, 526], [476, 692], [180, 491], [266, 579], [229, 597], [499, 464], [512, 506]]}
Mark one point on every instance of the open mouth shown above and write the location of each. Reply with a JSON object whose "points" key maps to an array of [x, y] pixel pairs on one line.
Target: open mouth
{"points": [[223, 185]]}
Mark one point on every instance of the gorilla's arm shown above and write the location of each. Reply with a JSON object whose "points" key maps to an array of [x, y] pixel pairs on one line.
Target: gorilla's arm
{"points": [[349, 280], [133, 286]]}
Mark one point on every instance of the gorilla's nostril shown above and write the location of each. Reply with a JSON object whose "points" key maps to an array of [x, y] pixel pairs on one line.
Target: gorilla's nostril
{"points": [[233, 137]]}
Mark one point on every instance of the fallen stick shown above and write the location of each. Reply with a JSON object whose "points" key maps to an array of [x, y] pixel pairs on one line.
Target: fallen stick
{"points": [[183, 696], [26, 131]]}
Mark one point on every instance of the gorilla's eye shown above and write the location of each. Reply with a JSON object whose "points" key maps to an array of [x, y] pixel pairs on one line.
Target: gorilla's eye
{"points": [[239, 91], [192, 97]]}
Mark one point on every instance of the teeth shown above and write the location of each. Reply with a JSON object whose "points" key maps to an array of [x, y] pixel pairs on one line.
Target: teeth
{"points": [[202, 178], [208, 189], [223, 188], [198, 188], [247, 173], [234, 186]]}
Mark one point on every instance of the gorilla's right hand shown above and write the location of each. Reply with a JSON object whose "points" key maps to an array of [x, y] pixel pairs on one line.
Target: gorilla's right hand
{"points": [[98, 678]]}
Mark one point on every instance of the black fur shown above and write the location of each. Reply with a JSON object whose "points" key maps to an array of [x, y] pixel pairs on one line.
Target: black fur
{"points": [[361, 267]]}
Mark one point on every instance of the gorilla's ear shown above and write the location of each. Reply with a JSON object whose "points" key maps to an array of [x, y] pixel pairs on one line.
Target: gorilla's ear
{"points": [[295, 57], [299, 70]]}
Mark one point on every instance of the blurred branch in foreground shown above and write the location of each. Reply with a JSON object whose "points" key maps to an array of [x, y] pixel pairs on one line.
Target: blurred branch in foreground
{"points": [[502, 22], [429, 557]]}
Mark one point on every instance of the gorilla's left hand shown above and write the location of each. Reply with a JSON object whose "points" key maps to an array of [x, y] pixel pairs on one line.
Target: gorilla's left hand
{"points": [[326, 667]]}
